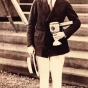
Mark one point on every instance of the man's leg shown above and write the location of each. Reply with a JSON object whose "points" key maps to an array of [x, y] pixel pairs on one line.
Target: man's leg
{"points": [[43, 67], [56, 65]]}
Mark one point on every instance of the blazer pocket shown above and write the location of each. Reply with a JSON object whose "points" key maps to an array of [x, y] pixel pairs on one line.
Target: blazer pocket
{"points": [[39, 37]]}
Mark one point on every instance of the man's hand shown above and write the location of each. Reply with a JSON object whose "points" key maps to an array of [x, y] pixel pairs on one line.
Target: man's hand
{"points": [[31, 50], [59, 35]]}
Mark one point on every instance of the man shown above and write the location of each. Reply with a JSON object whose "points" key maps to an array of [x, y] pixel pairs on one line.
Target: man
{"points": [[40, 40]]}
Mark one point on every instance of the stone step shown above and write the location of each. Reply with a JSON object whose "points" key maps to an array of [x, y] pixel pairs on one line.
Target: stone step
{"points": [[25, 4], [79, 1], [78, 42], [80, 8], [15, 51], [71, 1], [77, 59], [14, 66], [75, 42], [23, 64], [75, 77], [82, 31], [74, 59], [22, 28], [12, 62], [13, 37], [70, 75], [82, 16], [77, 7]]}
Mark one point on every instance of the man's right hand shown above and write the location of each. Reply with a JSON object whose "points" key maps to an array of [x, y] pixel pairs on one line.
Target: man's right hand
{"points": [[31, 50]]}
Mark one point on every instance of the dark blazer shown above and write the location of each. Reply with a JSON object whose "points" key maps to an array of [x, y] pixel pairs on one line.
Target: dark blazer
{"points": [[38, 33]]}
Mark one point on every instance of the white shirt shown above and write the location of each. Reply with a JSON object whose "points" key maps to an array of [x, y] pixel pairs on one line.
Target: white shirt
{"points": [[53, 2]]}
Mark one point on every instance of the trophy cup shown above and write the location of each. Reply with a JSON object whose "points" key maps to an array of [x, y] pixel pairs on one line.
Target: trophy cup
{"points": [[54, 28]]}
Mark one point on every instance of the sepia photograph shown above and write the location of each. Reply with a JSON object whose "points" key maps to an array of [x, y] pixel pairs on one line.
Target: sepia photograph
{"points": [[43, 43]]}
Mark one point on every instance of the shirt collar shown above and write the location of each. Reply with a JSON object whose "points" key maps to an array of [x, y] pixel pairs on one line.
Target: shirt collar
{"points": [[53, 2]]}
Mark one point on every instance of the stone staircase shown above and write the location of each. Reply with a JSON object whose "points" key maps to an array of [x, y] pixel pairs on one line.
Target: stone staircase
{"points": [[13, 49]]}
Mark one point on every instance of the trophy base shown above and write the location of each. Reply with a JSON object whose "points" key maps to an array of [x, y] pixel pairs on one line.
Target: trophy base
{"points": [[56, 43]]}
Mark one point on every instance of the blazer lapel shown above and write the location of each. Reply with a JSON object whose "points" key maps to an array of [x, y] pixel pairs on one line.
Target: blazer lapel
{"points": [[55, 9], [44, 7]]}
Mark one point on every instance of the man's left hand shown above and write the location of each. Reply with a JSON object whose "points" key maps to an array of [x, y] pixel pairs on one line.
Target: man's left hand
{"points": [[59, 35]]}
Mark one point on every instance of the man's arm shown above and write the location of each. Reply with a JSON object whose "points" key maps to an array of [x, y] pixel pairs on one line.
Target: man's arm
{"points": [[31, 24], [72, 16]]}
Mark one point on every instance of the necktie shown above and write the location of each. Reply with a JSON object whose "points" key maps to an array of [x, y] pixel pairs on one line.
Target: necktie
{"points": [[51, 5]]}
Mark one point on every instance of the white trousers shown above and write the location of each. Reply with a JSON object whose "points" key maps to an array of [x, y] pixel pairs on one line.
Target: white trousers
{"points": [[54, 65]]}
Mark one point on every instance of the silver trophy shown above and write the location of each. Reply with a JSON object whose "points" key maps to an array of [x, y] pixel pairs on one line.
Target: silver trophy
{"points": [[54, 28]]}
